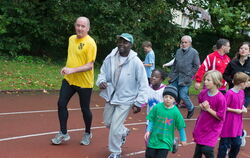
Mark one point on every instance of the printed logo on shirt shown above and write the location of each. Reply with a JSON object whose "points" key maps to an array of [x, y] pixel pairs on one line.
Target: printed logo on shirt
{"points": [[80, 46], [169, 121]]}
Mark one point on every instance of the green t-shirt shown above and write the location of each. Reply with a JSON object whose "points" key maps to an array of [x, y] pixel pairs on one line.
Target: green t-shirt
{"points": [[164, 123]]}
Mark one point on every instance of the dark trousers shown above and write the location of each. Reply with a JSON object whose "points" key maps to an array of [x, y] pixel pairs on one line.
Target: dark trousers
{"points": [[66, 92], [229, 143], [203, 150], [156, 153]]}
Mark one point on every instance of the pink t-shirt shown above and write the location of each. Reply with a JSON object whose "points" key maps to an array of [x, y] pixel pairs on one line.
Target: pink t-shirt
{"points": [[233, 124], [207, 128]]}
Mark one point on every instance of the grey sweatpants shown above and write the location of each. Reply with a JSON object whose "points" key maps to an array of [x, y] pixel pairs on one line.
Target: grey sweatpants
{"points": [[114, 117]]}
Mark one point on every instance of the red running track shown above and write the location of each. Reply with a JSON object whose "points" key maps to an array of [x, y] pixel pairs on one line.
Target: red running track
{"points": [[29, 121]]}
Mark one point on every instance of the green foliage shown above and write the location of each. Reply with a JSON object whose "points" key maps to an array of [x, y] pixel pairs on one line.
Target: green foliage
{"points": [[229, 18], [40, 28]]}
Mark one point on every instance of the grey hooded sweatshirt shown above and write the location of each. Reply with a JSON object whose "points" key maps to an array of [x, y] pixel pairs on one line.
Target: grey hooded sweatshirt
{"points": [[127, 82]]}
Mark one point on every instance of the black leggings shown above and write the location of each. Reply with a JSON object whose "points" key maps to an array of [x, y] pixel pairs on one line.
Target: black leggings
{"points": [[203, 150], [66, 92], [156, 153]]}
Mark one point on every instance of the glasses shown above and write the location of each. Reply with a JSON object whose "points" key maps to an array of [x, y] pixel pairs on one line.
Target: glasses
{"points": [[184, 42]]}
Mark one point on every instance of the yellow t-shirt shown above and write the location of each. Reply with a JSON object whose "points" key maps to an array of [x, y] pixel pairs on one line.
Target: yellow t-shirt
{"points": [[80, 52]]}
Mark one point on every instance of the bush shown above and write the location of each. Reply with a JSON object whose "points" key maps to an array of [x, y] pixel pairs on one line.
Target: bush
{"points": [[39, 27]]}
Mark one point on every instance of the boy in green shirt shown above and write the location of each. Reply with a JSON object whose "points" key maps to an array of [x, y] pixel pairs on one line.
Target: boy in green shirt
{"points": [[163, 119]]}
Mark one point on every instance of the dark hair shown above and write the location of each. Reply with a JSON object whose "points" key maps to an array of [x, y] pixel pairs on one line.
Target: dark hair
{"points": [[237, 54], [163, 74], [221, 42]]}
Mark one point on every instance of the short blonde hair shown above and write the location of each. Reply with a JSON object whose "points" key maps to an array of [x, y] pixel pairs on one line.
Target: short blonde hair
{"points": [[240, 77], [216, 77], [146, 44]]}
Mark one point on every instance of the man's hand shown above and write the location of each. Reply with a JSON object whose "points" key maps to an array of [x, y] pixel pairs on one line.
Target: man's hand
{"points": [[103, 85], [197, 85], [67, 71], [136, 109]]}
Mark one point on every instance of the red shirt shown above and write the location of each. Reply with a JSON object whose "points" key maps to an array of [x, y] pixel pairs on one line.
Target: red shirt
{"points": [[213, 61]]}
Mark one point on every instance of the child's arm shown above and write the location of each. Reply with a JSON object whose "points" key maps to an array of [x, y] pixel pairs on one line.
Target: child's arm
{"points": [[201, 106], [244, 109], [211, 111], [149, 128], [237, 111], [183, 137]]}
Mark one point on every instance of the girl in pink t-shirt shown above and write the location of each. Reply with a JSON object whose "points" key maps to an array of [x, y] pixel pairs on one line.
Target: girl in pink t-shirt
{"points": [[232, 127], [210, 121]]}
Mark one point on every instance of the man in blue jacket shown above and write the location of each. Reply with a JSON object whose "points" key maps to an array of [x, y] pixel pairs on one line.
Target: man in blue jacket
{"points": [[123, 83]]}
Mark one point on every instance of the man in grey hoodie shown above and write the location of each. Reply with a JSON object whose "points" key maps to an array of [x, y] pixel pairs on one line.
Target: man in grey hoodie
{"points": [[186, 64], [123, 83]]}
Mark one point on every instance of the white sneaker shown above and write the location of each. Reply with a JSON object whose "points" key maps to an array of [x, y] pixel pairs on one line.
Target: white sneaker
{"points": [[243, 138], [86, 139], [114, 155], [59, 138]]}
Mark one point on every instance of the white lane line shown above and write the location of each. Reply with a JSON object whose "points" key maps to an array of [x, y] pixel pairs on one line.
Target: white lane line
{"points": [[143, 151], [54, 132], [135, 153], [71, 130], [41, 111]]}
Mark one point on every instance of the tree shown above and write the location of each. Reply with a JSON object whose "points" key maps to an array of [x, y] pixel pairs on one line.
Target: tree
{"points": [[40, 27], [229, 18]]}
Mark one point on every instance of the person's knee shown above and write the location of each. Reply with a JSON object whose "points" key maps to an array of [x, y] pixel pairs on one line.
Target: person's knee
{"points": [[86, 110], [61, 104]]}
